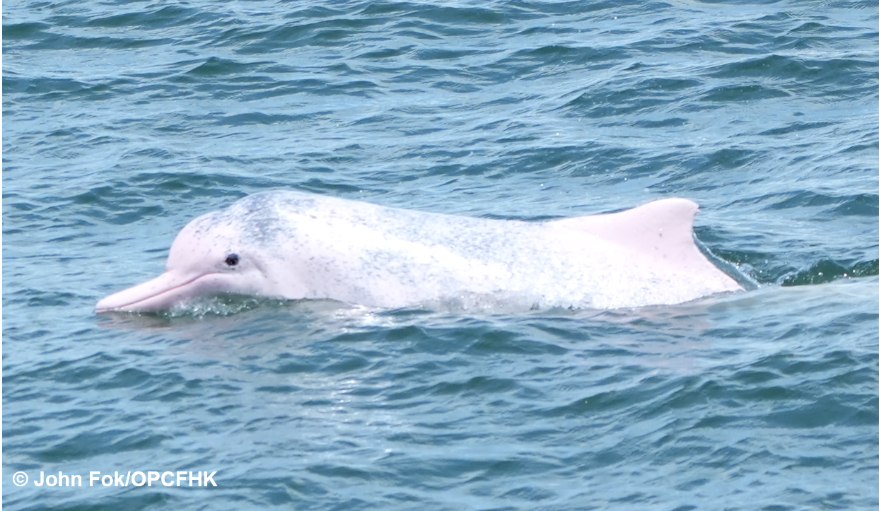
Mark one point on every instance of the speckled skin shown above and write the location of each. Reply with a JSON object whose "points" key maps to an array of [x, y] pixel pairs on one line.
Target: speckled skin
{"points": [[303, 246]]}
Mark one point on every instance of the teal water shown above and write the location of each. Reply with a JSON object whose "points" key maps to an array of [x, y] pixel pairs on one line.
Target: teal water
{"points": [[125, 120]]}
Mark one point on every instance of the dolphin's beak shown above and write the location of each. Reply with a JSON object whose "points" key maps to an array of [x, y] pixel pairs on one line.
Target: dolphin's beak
{"points": [[157, 294]]}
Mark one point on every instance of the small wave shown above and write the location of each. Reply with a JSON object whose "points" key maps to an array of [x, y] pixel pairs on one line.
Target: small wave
{"points": [[828, 270], [213, 67], [743, 93], [847, 205], [797, 72], [220, 305]]}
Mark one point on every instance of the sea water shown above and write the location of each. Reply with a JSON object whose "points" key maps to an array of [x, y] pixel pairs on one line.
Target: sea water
{"points": [[122, 121]]}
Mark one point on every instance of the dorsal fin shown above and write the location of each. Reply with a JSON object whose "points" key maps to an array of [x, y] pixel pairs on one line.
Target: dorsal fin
{"points": [[661, 229]]}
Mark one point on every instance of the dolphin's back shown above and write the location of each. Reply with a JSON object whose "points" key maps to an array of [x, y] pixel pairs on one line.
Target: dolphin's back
{"points": [[395, 257]]}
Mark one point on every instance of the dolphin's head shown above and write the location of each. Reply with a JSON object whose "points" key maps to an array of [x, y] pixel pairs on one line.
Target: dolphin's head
{"points": [[220, 252]]}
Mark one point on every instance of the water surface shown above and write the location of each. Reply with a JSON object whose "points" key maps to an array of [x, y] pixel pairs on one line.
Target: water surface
{"points": [[123, 121]]}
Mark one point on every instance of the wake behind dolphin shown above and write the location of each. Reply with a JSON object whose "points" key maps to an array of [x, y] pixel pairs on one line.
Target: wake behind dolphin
{"points": [[297, 246]]}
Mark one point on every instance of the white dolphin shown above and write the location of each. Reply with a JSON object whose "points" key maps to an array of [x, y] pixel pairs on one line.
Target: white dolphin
{"points": [[298, 245]]}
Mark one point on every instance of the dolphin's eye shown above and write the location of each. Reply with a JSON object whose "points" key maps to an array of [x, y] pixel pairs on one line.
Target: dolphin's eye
{"points": [[232, 260]]}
